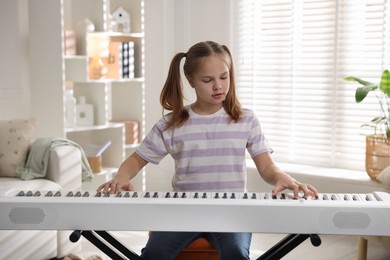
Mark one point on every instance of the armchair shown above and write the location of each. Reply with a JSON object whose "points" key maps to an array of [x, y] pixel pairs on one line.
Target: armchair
{"points": [[64, 173]]}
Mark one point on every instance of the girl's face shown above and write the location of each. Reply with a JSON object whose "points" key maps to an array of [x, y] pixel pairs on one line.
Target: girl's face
{"points": [[211, 83]]}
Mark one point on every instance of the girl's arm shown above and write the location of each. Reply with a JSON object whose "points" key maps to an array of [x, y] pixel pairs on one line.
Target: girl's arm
{"points": [[278, 178], [128, 170]]}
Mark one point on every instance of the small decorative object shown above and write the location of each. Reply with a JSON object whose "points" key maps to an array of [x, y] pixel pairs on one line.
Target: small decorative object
{"points": [[97, 69], [121, 20], [131, 131], [84, 113], [83, 28], [70, 105], [378, 143], [94, 155]]}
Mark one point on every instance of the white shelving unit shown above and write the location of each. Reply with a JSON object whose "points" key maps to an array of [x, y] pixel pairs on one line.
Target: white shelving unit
{"points": [[50, 69], [121, 99]]}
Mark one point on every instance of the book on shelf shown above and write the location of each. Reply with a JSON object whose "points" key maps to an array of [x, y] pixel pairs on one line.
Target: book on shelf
{"points": [[120, 62]]}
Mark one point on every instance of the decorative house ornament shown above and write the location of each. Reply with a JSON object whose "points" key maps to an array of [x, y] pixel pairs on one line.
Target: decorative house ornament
{"points": [[121, 20]]}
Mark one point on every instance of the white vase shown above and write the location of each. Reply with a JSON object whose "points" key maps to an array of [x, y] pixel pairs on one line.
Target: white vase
{"points": [[84, 113]]}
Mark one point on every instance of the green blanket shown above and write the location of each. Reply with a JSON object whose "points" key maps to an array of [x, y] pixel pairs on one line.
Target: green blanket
{"points": [[38, 159]]}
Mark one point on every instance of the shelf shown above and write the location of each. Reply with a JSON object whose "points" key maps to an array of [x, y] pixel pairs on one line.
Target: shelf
{"points": [[76, 70], [93, 127], [118, 36], [132, 146]]}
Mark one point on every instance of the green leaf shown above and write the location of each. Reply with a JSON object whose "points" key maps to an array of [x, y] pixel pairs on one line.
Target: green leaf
{"points": [[363, 82], [361, 92], [385, 82]]}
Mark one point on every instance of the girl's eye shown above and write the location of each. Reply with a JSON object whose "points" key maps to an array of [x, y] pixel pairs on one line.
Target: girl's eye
{"points": [[224, 77], [207, 80]]}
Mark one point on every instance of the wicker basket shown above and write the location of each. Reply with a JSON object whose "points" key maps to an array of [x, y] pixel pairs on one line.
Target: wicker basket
{"points": [[377, 155]]}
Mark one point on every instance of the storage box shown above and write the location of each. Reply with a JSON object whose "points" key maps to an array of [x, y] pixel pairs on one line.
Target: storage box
{"points": [[69, 43], [95, 163], [131, 131]]}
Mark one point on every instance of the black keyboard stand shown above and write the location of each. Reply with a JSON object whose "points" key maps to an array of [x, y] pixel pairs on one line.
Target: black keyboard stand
{"points": [[117, 251], [287, 244], [106, 243]]}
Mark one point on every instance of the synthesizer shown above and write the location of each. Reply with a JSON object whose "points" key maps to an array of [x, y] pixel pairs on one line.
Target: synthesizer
{"points": [[346, 214]]}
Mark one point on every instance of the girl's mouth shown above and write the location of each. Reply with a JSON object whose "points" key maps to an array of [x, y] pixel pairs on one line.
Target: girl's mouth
{"points": [[218, 96]]}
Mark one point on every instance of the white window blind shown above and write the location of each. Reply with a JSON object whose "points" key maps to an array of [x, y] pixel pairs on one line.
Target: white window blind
{"points": [[291, 58]]}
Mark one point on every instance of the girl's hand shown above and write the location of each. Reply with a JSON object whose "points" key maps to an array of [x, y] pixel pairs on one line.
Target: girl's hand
{"points": [[116, 185], [290, 183]]}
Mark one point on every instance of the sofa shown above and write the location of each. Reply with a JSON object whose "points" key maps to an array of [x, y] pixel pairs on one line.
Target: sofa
{"points": [[64, 172]]}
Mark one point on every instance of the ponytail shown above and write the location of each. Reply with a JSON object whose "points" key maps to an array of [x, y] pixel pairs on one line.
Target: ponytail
{"points": [[171, 97]]}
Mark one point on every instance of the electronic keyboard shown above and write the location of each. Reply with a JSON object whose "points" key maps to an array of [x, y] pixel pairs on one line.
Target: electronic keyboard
{"points": [[346, 214]]}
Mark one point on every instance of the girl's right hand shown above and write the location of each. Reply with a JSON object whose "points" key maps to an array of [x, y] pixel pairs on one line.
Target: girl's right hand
{"points": [[115, 185]]}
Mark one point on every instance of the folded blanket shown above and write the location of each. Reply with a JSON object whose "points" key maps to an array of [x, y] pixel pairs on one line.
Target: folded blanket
{"points": [[38, 159]]}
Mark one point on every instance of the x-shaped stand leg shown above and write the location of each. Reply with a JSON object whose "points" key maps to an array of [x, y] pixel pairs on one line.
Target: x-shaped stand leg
{"points": [[287, 244], [106, 243]]}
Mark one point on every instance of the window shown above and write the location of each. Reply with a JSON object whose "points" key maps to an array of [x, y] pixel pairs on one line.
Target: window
{"points": [[291, 58]]}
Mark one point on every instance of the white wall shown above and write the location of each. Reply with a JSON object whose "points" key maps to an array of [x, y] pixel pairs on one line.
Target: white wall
{"points": [[173, 26], [14, 86]]}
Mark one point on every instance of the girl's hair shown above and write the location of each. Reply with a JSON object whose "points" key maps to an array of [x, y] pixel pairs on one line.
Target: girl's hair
{"points": [[171, 97]]}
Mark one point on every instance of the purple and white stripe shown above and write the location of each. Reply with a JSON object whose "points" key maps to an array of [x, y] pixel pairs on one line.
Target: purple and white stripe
{"points": [[209, 151]]}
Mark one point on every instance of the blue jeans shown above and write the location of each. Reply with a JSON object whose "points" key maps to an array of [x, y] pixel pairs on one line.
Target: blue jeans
{"points": [[167, 245]]}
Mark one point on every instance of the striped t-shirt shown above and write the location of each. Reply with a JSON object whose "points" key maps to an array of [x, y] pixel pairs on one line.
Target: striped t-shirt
{"points": [[208, 150]]}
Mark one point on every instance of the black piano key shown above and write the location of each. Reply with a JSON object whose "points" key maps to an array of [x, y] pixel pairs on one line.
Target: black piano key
{"points": [[233, 196], [216, 196], [204, 196], [127, 195], [78, 194], [224, 196], [57, 194], [147, 194], [135, 195], [86, 194], [37, 194], [167, 195], [245, 196], [20, 194], [119, 194], [29, 193], [155, 194], [283, 196], [98, 194], [175, 195], [49, 194], [106, 194], [183, 195], [253, 195], [70, 194], [196, 195]]}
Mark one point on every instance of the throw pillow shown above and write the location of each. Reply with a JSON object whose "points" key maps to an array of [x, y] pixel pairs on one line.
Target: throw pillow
{"points": [[14, 144], [384, 176]]}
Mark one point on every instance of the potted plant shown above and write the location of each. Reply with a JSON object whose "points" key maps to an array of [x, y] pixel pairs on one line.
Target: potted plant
{"points": [[377, 144]]}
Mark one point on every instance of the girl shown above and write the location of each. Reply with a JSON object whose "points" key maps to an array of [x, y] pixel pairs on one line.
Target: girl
{"points": [[207, 140]]}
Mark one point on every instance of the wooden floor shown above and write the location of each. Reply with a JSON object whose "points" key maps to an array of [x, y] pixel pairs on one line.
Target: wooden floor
{"points": [[331, 248]]}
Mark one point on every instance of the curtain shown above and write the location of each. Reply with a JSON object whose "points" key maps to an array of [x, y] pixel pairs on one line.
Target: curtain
{"points": [[291, 58]]}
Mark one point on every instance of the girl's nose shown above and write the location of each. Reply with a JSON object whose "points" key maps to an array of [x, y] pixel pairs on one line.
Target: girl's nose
{"points": [[217, 85]]}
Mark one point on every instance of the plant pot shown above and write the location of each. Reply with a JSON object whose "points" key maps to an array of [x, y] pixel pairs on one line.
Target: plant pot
{"points": [[377, 154]]}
